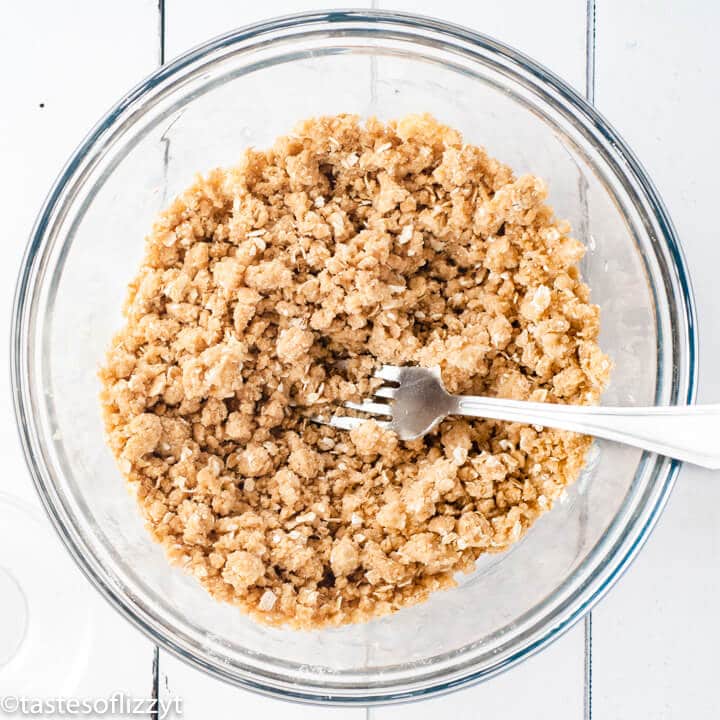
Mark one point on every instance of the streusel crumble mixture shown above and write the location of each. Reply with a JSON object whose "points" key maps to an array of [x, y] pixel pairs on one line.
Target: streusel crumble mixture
{"points": [[362, 243]]}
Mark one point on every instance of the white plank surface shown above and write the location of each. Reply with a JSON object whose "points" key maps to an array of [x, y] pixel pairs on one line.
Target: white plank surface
{"points": [[655, 636], [63, 65], [549, 684], [555, 38], [521, 691], [561, 46], [202, 695], [62, 70], [185, 27]]}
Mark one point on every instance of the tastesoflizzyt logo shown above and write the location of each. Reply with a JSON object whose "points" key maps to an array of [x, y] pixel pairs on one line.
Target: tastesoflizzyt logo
{"points": [[116, 705]]}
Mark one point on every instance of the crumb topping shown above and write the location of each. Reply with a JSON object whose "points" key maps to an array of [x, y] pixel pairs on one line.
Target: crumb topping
{"points": [[270, 291]]}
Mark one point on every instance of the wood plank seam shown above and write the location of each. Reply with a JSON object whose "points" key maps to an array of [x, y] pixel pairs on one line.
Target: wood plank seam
{"points": [[374, 5], [161, 59], [161, 29], [590, 45], [155, 684], [590, 49]]}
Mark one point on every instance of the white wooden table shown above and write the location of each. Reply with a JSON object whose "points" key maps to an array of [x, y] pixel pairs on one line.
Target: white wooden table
{"points": [[649, 649]]}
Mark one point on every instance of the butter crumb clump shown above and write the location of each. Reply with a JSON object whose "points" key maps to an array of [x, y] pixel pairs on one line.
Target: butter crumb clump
{"points": [[270, 291]]}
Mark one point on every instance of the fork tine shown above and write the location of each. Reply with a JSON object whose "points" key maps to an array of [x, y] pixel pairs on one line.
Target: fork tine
{"points": [[384, 391], [389, 372], [370, 407], [342, 422]]}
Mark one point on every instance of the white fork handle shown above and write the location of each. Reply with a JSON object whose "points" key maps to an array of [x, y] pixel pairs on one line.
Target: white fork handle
{"points": [[689, 432]]}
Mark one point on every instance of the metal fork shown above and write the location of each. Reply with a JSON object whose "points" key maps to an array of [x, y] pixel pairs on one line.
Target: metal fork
{"points": [[419, 402]]}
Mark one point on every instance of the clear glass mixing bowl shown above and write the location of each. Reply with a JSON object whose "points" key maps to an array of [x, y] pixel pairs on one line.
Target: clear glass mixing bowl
{"points": [[245, 89]]}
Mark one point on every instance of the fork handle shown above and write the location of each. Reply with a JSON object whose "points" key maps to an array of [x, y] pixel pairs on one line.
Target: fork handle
{"points": [[689, 432]]}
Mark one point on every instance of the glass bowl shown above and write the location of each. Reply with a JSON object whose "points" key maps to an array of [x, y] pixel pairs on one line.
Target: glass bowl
{"points": [[245, 88]]}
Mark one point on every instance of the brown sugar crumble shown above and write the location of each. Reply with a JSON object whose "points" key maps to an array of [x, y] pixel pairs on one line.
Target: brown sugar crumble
{"points": [[271, 291]]}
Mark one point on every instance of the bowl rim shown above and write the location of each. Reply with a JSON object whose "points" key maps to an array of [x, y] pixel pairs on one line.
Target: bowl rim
{"points": [[26, 284]]}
